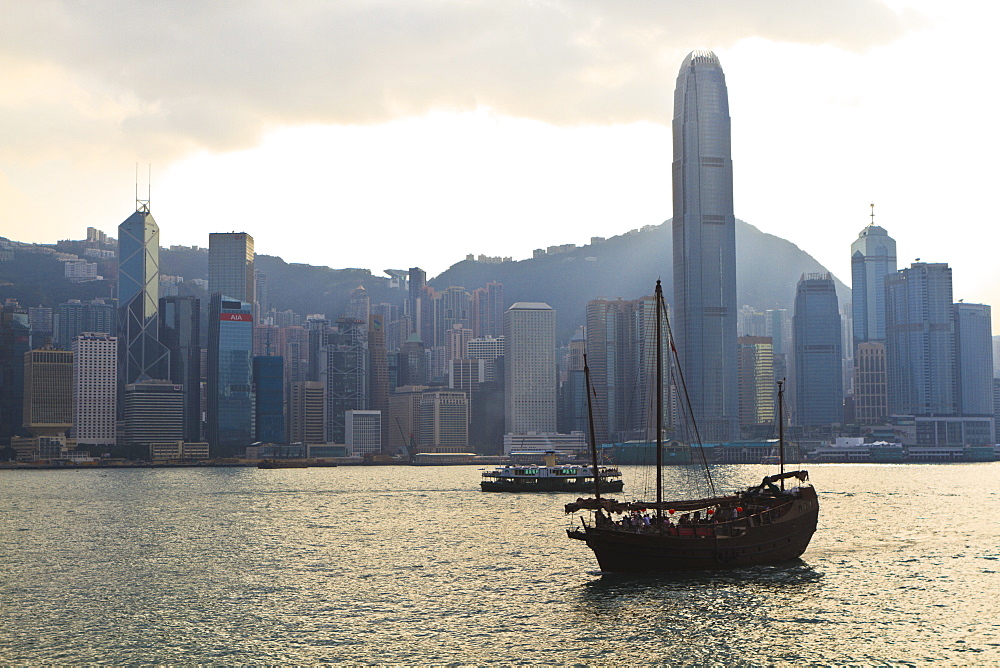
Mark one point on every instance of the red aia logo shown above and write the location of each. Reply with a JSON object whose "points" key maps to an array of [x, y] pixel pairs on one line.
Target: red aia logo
{"points": [[236, 317]]}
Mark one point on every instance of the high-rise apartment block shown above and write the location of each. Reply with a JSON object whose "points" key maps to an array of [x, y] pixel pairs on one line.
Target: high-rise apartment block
{"points": [[487, 310], [619, 336], [75, 317], [704, 245], [95, 374], [530, 368]]}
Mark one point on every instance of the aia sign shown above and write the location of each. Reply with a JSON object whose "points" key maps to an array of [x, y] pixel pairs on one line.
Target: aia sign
{"points": [[236, 317]]}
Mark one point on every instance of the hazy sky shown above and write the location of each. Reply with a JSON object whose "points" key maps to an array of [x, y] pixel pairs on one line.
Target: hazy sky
{"points": [[393, 133]]}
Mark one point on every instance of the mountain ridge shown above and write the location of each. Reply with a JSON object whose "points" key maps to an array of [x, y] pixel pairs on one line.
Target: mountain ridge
{"points": [[624, 266]]}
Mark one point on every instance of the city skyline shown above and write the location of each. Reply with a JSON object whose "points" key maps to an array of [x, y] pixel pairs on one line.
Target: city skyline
{"points": [[553, 125]]}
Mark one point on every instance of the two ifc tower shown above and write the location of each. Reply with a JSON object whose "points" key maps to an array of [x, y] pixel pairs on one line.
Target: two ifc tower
{"points": [[704, 237]]}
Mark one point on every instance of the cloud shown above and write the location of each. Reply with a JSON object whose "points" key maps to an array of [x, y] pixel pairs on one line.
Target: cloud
{"points": [[157, 79]]}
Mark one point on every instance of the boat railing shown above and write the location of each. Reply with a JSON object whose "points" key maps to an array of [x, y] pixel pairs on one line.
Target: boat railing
{"points": [[710, 529]]}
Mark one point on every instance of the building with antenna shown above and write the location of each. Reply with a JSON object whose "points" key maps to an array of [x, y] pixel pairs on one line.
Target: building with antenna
{"points": [[140, 354]]}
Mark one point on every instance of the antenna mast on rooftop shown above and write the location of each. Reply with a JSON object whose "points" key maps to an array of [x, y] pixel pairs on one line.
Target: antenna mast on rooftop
{"points": [[143, 204]]}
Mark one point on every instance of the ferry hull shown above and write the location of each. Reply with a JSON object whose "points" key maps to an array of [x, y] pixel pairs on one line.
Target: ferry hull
{"points": [[620, 551], [550, 485]]}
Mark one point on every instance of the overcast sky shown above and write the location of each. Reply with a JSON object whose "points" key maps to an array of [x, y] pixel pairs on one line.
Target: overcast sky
{"points": [[393, 133]]}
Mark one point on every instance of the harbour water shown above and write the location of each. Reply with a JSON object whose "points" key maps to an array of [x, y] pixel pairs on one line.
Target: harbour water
{"points": [[414, 565]]}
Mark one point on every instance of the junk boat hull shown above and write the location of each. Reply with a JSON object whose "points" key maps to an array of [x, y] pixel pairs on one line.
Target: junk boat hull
{"points": [[758, 539]]}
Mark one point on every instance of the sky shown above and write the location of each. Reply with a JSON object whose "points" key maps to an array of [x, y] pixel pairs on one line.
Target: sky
{"points": [[394, 133]]}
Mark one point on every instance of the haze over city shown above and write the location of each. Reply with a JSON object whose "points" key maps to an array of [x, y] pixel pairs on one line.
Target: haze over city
{"points": [[451, 128]]}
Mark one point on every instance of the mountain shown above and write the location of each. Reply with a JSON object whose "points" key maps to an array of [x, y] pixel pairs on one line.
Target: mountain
{"points": [[626, 266]]}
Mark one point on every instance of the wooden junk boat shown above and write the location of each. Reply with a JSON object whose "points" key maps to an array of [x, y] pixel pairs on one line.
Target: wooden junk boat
{"points": [[550, 478], [763, 524]]}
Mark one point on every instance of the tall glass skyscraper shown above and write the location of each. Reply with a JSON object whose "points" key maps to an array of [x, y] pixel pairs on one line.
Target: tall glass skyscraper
{"points": [[230, 376], [180, 332], [873, 257], [704, 236], [269, 386], [140, 354], [816, 339], [230, 265], [974, 349]]}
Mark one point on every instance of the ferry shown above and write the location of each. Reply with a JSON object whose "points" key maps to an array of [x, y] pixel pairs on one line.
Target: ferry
{"points": [[550, 478]]}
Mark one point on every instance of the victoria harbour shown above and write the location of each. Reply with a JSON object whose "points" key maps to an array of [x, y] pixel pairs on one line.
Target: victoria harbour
{"points": [[414, 565]]}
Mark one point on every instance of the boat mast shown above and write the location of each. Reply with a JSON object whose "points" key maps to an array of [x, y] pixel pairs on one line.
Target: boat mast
{"points": [[658, 303], [593, 434], [781, 430]]}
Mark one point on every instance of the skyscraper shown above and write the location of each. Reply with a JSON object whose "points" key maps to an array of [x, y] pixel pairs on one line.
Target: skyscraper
{"points": [[230, 265], [444, 421], [140, 354], [530, 368], [180, 332], [230, 426], [344, 363], [974, 348], [95, 373], [870, 392], [487, 310], [153, 414], [616, 341], [378, 370], [873, 257], [48, 391], [704, 236], [15, 341], [269, 395], [920, 341], [756, 375], [816, 340], [415, 286]]}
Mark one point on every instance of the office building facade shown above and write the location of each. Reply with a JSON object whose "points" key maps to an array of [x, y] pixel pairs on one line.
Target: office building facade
{"points": [[180, 332], [140, 353], [816, 339], [230, 424], [530, 368], [153, 414], [704, 245], [48, 391], [920, 341], [269, 399], [873, 257], [231, 266], [95, 373]]}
